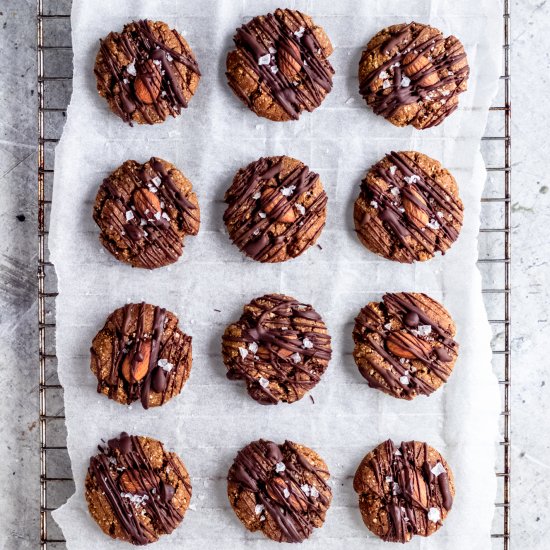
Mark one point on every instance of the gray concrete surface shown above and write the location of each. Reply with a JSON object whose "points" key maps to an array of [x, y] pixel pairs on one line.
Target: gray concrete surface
{"points": [[19, 468]]}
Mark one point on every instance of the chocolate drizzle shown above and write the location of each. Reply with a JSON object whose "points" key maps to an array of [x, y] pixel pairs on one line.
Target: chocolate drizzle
{"points": [[144, 212], [403, 482], [421, 67], [138, 492], [419, 362], [277, 209], [290, 490], [280, 347], [429, 223], [167, 75], [131, 331], [272, 37]]}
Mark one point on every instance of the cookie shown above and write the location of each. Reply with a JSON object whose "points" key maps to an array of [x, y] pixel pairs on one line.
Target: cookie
{"points": [[408, 208], [141, 354], [277, 209], [136, 490], [412, 74], [279, 347], [404, 345], [280, 66], [281, 490], [146, 72], [144, 211], [404, 491]]}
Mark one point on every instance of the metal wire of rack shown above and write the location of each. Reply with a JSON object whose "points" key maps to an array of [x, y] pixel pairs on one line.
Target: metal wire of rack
{"points": [[54, 62]]}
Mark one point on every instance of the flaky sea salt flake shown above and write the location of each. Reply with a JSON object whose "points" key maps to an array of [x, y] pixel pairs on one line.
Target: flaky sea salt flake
{"points": [[280, 467], [411, 179], [165, 365], [129, 215], [253, 347], [438, 469], [307, 343], [265, 59], [287, 191], [243, 352], [296, 357], [131, 68], [434, 515], [264, 382]]}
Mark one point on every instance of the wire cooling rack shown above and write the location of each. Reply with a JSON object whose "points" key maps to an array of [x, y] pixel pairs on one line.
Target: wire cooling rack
{"points": [[54, 89]]}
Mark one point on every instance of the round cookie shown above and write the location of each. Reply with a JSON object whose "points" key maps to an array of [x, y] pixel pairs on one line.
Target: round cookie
{"points": [[404, 345], [146, 72], [281, 490], [136, 490], [144, 211], [142, 354], [279, 347], [280, 66], [277, 209], [408, 208], [404, 491], [412, 74]]}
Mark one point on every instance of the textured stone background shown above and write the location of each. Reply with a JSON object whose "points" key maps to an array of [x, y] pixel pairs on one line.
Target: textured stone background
{"points": [[19, 467]]}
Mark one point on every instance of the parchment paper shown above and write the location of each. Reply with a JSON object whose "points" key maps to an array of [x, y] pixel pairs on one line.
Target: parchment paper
{"points": [[213, 417]]}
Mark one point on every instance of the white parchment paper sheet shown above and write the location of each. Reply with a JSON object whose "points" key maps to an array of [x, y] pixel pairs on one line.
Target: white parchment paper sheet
{"points": [[213, 417]]}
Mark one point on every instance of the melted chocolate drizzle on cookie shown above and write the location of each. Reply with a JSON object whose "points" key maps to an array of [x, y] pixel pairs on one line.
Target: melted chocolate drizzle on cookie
{"points": [[153, 231], [293, 348], [408, 488], [433, 353], [414, 73], [129, 342], [154, 66], [288, 487], [404, 180], [260, 198], [134, 490], [274, 36]]}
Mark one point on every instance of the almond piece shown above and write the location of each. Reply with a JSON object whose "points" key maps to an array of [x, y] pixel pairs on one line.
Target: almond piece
{"points": [[419, 490], [416, 210], [289, 59], [132, 370], [132, 482], [406, 345], [147, 203], [148, 83], [275, 489], [271, 199], [414, 64]]}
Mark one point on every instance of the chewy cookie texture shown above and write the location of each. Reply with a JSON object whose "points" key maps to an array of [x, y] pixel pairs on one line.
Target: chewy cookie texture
{"points": [[408, 208], [404, 491], [146, 72], [280, 66], [141, 354], [144, 211], [276, 209], [279, 347], [412, 74], [404, 345], [136, 490], [281, 490]]}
